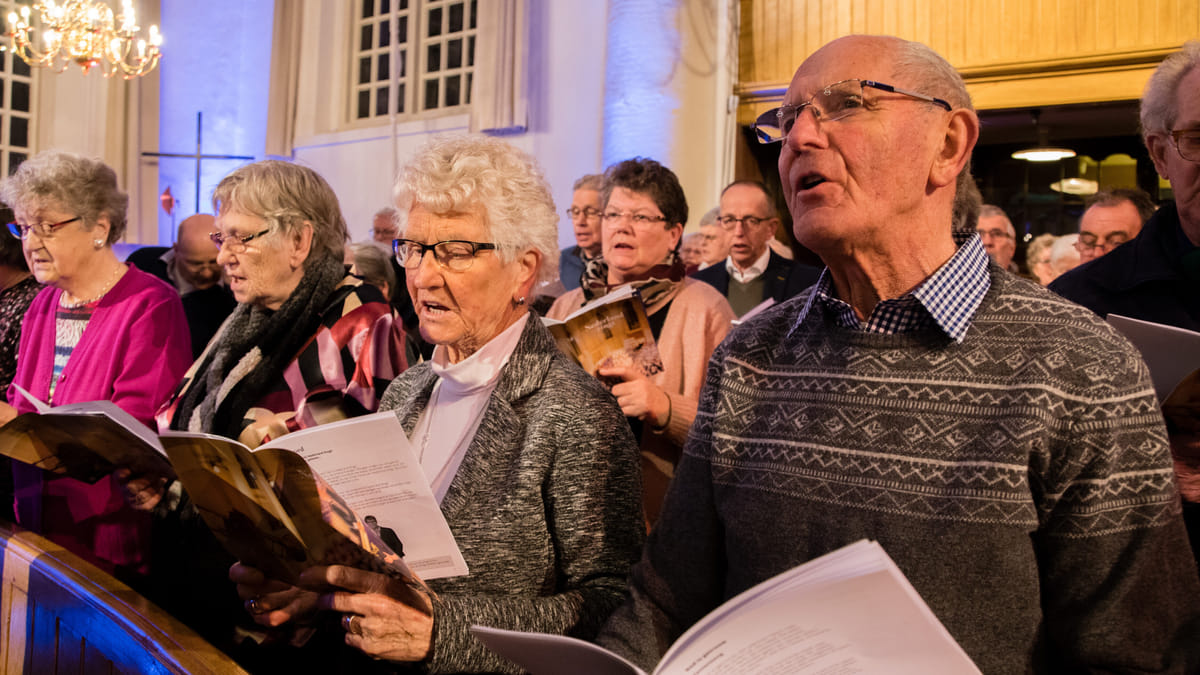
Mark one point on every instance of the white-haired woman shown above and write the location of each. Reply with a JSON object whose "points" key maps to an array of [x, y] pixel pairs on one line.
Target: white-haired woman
{"points": [[308, 343], [532, 460], [101, 330]]}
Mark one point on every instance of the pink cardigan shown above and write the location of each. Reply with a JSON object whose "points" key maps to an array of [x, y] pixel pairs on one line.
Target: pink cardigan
{"points": [[697, 321], [133, 352]]}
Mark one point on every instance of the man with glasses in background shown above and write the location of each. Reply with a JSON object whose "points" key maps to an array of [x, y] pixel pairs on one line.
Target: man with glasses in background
{"points": [[1001, 444], [585, 217], [1149, 277], [1111, 218], [714, 240], [753, 272], [1156, 276], [190, 266], [998, 235]]}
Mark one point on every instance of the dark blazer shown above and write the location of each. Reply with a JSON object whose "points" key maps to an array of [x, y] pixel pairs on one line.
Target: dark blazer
{"points": [[149, 259], [1152, 277], [205, 310], [781, 280], [570, 267]]}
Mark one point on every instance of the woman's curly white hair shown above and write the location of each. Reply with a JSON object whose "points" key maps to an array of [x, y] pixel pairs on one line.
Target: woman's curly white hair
{"points": [[465, 173]]}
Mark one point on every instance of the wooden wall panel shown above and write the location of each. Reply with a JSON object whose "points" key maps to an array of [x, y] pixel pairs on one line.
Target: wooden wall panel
{"points": [[1013, 53]]}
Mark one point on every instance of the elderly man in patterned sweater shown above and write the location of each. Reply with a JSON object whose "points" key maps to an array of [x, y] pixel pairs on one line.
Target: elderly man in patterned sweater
{"points": [[1004, 446]]}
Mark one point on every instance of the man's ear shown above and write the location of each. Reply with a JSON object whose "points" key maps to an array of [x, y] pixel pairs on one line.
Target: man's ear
{"points": [[1158, 146], [961, 134]]}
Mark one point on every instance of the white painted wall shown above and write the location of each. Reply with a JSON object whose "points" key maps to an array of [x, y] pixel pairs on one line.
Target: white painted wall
{"points": [[567, 61], [566, 104], [215, 61]]}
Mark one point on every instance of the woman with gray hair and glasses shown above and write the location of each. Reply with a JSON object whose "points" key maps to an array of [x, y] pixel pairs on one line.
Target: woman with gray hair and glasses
{"points": [[308, 343], [101, 330], [531, 459]]}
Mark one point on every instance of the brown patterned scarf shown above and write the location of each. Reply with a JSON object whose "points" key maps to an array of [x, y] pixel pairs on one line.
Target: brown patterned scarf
{"points": [[656, 284]]}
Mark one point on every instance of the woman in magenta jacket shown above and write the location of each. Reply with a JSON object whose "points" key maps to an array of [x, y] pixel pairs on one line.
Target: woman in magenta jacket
{"points": [[100, 330]]}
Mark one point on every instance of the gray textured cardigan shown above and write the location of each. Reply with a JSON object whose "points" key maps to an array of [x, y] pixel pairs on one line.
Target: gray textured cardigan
{"points": [[546, 505]]}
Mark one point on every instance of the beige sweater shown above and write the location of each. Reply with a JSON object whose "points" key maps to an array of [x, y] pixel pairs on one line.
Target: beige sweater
{"points": [[697, 321]]}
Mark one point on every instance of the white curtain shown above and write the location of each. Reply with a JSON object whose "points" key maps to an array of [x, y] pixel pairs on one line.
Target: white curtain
{"points": [[285, 77], [500, 90]]}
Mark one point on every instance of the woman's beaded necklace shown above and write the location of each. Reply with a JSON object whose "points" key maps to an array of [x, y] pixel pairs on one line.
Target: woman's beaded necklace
{"points": [[112, 281]]}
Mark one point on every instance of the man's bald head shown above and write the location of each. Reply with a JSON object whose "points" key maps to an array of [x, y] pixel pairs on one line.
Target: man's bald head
{"points": [[195, 252]]}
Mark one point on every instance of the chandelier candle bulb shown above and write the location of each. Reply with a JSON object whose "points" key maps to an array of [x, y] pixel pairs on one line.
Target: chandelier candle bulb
{"points": [[85, 32]]}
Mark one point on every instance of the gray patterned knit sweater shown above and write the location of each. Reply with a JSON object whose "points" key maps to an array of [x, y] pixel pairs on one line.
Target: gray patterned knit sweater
{"points": [[1020, 479]]}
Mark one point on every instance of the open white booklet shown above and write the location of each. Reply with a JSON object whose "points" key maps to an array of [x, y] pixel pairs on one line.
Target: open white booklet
{"points": [[1170, 352], [367, 461], [849, 611]]}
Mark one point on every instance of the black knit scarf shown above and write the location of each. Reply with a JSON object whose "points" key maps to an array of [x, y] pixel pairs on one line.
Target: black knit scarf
{"points": [[259, 343]]}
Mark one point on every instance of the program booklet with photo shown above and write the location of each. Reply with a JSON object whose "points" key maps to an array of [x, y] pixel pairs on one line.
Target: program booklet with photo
{"points": [[611, 330], [849, 611], [85, 441], [349, 492]]}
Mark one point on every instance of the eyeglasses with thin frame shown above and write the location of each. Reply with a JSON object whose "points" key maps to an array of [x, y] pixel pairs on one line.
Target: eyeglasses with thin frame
{"points": [[833, 102], [1088, 242], [995, 234], [453, 254], [587, 213], [728, 222], [42, 230], [1187, 142], [639, 220], [233, 243]]}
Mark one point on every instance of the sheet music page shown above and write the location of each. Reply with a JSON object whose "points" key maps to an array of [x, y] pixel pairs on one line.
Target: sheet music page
{"points": [[369, 462]]}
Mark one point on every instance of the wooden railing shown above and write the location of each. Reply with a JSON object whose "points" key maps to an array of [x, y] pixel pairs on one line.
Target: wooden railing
{"points": [[60, 614]]}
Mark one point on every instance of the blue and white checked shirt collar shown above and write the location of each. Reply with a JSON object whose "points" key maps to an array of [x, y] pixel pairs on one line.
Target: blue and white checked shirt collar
{"points": [[948, 298]]}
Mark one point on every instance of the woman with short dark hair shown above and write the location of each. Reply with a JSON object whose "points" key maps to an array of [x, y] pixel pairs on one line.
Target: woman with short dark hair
{"points": [[643, 217]]}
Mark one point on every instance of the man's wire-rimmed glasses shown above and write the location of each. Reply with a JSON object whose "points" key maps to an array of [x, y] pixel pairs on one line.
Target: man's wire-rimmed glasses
{"points": [[1187, 142], [587, 213], [1088, 242], [729, 222], [42, 230], [233, 243], [452, 254], [831, 103]]}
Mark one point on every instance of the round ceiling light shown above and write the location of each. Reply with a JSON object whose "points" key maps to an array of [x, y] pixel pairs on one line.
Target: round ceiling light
{"points": [[1043, 154]]}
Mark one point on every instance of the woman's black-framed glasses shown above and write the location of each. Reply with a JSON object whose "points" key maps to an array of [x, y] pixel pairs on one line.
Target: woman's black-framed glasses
{"points": [[234, 243], [453, 254], [42, 230], [833, 102]]}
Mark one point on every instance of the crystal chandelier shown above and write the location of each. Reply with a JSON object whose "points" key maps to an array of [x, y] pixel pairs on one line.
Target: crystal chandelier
{"points": [[84, 32]]}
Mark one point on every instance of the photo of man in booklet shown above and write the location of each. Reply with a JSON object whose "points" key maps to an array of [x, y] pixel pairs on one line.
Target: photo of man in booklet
{"points": [[611, 330], [273, 512]]}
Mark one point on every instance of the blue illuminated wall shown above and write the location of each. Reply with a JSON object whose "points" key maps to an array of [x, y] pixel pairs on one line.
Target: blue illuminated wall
{"points": [[216, 60], [643, 51]]}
